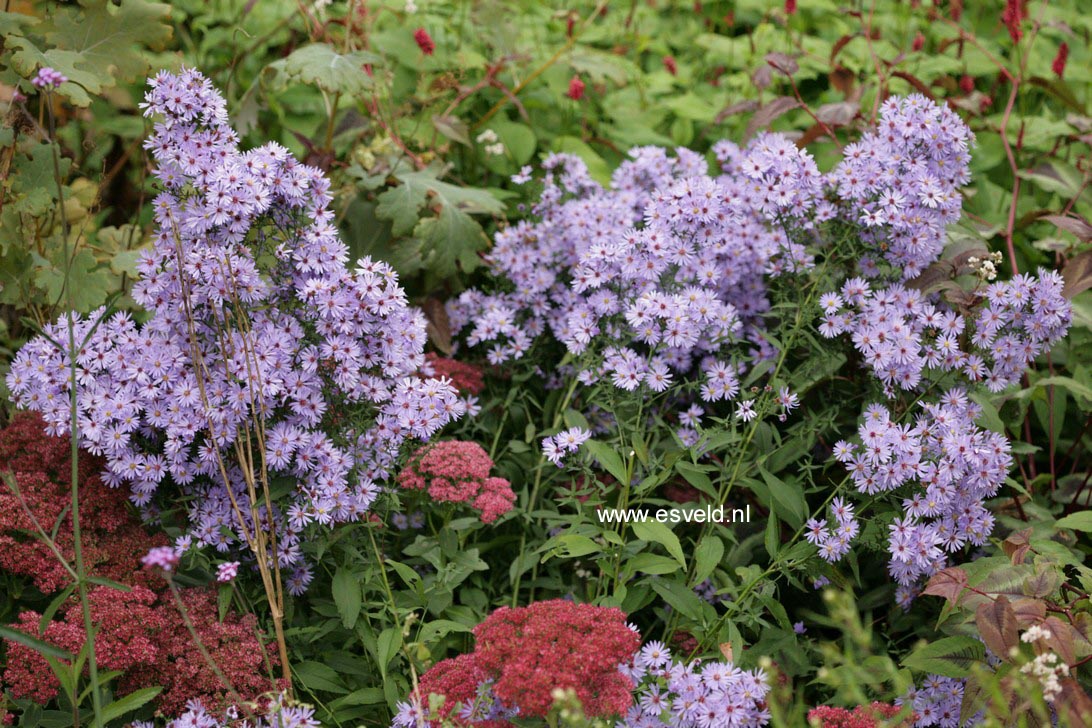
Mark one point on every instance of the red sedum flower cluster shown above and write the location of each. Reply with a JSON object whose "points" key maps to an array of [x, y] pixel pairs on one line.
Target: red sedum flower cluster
{"points": [[863, 716], [457, 471], [530, 651], [140, 631]]}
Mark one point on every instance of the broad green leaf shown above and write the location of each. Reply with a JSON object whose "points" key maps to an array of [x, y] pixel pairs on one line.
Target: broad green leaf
{"points": [[450, 238], [319, 64], [390, 640], [707, 557], [597, 166], [652, 564], [317, 676], [608, 457], [401, 205], [1079, 521], [347, 596], [661, 534], [680, 598], [788, 496], [950, 656]]}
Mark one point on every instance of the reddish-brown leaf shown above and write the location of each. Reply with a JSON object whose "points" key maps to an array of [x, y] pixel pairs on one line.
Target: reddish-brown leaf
{"points": [[438, 327], [1061, 639], [947, 583], [1072, 223], [1077, 274], [769, 112], [740, 107], [997, 625], [915, 82], [1074, 703], [839, 45], [839, 113], [782, 63], [1028, 611], [1016, 546]]}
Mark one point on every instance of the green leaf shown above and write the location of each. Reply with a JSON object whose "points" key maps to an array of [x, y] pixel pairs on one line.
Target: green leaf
{"points": [[317, 676], [1080, 521], [652, 564], [347, 596], [390, 640], [518, 139], [89, 283], [950, 657], [707, 557], [95, 45], [680, 598], [319, 64], [573, 545], [402, 206], [608, 458], [451, 237], [661, 534], [40, 646], [789, 496], [597, 166], [128, 704]]}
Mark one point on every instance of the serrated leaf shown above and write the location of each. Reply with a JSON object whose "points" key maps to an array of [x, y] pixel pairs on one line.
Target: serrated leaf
{"points": [[401, 205], [450, 238], [947, 583], [319, 64], [997, 625], [950, 657], [660, 533]]}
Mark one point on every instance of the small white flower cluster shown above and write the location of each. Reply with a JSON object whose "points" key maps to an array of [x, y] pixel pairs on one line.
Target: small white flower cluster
{"points": [[1048, 668], [985, 268], [411, 7], [493, 144], [1035, 632]]}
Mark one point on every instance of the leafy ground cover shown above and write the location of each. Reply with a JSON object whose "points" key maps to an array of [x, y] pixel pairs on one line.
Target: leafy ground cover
{"points": [[432, 363]]}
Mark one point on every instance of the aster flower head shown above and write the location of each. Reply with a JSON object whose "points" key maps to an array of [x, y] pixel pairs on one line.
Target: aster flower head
{"points": [[253, 316]]}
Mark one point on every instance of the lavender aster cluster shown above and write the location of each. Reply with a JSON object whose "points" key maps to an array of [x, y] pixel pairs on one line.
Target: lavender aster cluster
{"points": [[557, 447], [901, 335], [652, 274], [938, 702], [834, 541], [902, 180], [258, 337], [958, 464], [693, 695]]}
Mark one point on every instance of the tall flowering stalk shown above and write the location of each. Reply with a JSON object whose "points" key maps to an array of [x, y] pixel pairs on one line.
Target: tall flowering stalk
{"points": [[272, 385]]}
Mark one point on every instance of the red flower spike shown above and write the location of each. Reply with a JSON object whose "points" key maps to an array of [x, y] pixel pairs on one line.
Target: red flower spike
{"points": [[1058, 64], [424, 41], [576, 89], [670, 65], [919, 42], [1012, 17]]}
